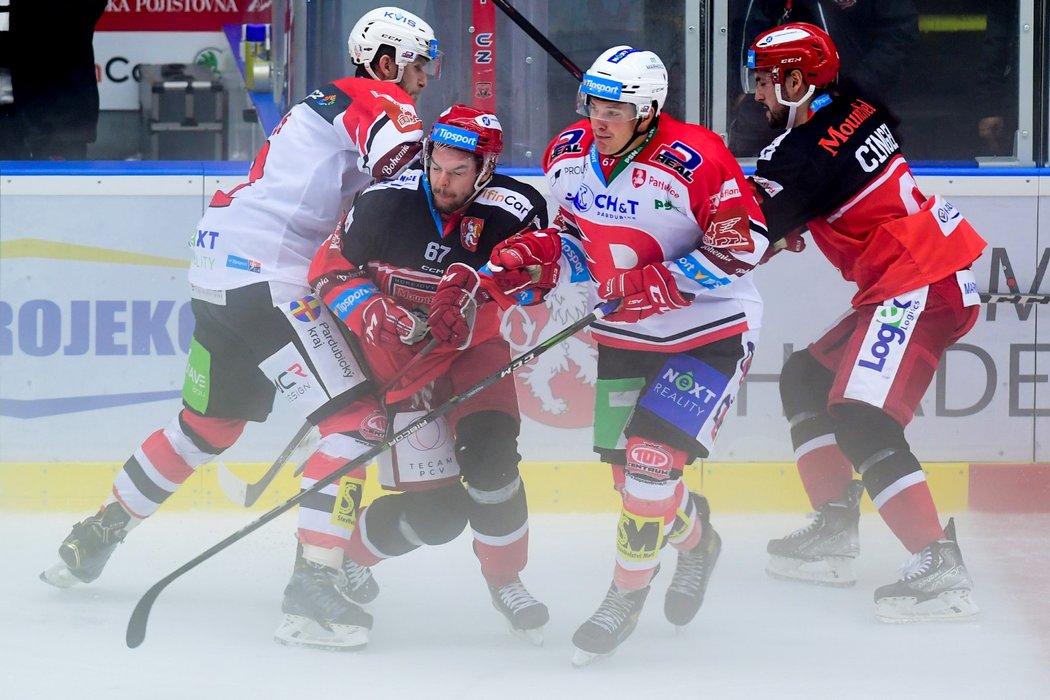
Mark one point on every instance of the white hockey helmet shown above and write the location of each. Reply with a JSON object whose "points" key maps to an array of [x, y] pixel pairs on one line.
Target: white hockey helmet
{"points": [[407, 33], [625, 74]]}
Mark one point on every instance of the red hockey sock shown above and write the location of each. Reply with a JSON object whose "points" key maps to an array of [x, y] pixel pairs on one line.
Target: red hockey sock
{"points": [[912, 516], [824, 470]]}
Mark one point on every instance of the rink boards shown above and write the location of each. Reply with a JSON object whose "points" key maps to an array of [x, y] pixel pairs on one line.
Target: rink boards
{"points": [[94, 326]]}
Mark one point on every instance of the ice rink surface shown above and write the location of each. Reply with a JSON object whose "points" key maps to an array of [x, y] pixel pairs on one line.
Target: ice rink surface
{"points": [[437, 637]]}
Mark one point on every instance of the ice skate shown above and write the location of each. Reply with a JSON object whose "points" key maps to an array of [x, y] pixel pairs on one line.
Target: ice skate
{"points": [[361, 587], [317, 614], [88, 547], [935, 586], [525, 615], [685, 595], [612, 623], [823, 552]]}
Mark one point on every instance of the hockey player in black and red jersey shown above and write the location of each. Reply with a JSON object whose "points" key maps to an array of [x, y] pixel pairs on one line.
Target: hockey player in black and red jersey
{"points": [[258, 327], [839, 172], [379, 273], [668, 226]]}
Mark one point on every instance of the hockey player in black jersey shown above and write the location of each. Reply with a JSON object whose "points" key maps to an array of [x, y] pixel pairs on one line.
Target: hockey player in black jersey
{"points": [[379, 273]]}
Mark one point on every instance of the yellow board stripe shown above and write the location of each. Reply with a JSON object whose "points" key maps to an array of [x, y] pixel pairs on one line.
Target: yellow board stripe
{"points": [[52, 250], [553, 487]]}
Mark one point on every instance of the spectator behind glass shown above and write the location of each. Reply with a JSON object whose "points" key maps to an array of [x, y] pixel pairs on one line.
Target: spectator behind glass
{"points": [[996, 85], [48, 55], [875, 39]]}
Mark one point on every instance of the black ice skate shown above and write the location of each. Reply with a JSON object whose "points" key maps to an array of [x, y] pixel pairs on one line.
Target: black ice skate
{"points": [[935, 586], [612, 623], [685, 595], [88, 547], [823, 551], [525, 615], [361, 587], [318, 615]]}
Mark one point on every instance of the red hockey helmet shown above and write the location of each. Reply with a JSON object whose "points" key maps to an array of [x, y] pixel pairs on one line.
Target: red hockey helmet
{"points": [[470, 130], [798, 45]]}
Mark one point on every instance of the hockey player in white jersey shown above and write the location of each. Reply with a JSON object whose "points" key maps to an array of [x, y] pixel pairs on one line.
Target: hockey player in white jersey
{"points": [[259, 330], [669, 227]]}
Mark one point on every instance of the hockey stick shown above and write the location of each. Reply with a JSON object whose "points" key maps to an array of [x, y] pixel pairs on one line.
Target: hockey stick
{"points": [[1014, 298], [245, 494], [566, 62], [136, 631], [539, 38]]}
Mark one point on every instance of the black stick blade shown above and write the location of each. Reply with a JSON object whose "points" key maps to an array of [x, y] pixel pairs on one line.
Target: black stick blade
{"points": [[136, 632]]}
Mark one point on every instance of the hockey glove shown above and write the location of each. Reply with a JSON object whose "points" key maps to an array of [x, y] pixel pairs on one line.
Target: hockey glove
{"points": [[644, 292], [527, 261], [455, 305], [793, 242], [389, 325]]}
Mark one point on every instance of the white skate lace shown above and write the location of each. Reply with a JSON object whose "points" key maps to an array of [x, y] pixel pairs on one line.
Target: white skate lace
{"points": [[612, 612], [815, 523], [917, 565], [356, 575], [688, 573], [515, 597]]}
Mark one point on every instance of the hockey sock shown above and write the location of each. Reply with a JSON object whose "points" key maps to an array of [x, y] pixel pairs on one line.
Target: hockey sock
{"points": [[168, 458], [327, 517], [825, 471], [687, 529], [499, 521], [898, 488], [650, 502]]}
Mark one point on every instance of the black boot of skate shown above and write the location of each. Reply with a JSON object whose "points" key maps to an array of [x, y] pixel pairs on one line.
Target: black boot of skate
{"points": [[685, 595], [318, 615], [88, 547], [935, 586], [525, 615], [360, 585], [822, 552], [612, 623]]}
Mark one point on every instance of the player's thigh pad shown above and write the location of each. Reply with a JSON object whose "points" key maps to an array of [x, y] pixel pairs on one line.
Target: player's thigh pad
{"points": [[319, 364], [892, 354], [685, 403], [804, 384]]}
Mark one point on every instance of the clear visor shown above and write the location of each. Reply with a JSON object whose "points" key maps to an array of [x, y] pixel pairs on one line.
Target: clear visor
{"points": [[605, 110], [430, 66], [747, 74]]}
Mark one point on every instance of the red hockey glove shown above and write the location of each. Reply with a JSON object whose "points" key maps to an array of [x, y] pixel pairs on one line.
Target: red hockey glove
{"points": [[793, 242], [645, 292], [455, 305], [528, 260], [389, 325]]}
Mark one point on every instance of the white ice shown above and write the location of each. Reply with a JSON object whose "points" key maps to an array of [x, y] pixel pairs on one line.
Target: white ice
{"points": [[437, 636]]}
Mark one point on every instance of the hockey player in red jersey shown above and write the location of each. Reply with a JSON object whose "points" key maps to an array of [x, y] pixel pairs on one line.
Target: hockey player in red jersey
{"points": [[379, 273], [839, 172], [258, 326], [670, 228]]}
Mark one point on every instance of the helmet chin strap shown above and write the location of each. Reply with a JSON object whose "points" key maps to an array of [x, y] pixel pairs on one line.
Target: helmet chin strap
{"points": [[400, 73], [792, 106], [627, 148]]}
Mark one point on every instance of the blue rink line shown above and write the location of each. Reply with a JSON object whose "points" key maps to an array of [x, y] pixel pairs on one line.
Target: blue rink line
{"points": [[220, 168]]}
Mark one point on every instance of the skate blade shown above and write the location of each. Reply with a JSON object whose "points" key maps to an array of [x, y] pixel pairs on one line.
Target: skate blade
{"points": [[581, 658], [533, 636], [836, 572], [298, 631], [59, 576], [950, 606]]}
